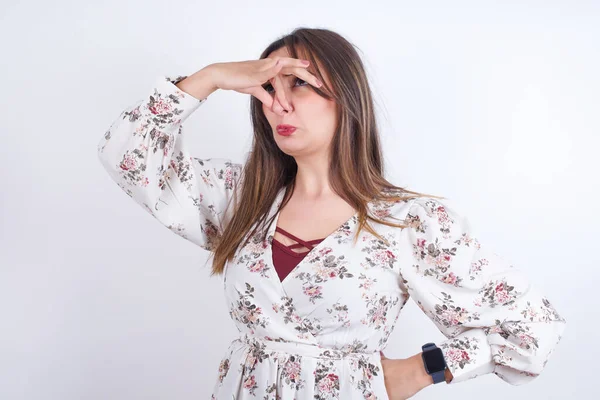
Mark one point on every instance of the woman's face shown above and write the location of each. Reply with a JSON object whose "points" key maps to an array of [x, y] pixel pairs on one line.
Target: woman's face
{"points": [[313, 116]]}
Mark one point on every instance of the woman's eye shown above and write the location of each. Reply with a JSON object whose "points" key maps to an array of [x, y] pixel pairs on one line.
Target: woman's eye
{"points": [[299, 80], [268, 87]]}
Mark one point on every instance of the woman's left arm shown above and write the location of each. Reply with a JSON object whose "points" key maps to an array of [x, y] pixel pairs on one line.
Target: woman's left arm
{"points": [[494, 319], [405, 377]]}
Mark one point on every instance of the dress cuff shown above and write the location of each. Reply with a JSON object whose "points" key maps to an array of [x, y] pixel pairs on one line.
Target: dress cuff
{"points": [[468, 355], [166, 105]]}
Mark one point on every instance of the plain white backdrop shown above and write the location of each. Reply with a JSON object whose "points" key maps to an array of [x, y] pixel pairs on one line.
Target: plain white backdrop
{"points": [[494, 105]]}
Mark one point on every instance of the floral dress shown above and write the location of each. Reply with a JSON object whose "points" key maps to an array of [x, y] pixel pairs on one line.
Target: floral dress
{"points": [[318, 333]]}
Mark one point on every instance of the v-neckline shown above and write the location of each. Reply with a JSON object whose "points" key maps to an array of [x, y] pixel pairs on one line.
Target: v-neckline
{"points": [[316, 247]]}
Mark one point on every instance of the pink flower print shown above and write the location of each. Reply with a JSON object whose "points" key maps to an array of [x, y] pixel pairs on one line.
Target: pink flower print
{"points": [[325, 272], [160, 107], [383, 257], [328, 383], [258, 266], [253, 316], [382, 213], [223, 369], [452, 316], [471, 241], [167, 145], [476, 267], [250, 382], [229, 177], [526, 341], [367, 284], [292, 371], [129, 162], [414, 222], [211, 230], [443, 217], [379, 316], [502, 295], [370, 396], [456, 356], [450, 278], [325, 251], [495, 329], [256, 247], [312, 291], [140, 129], [441, 261], [250, 361], [530, 313]]}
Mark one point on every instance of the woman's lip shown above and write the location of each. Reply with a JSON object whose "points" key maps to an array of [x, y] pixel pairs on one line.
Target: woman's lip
{"points": [[285, 130], [284, 126]]}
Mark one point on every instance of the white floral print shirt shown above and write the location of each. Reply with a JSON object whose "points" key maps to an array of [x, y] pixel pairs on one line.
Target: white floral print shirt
{"points": [[317, 334]]}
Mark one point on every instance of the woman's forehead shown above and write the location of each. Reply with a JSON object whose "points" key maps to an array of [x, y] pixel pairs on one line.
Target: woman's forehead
{"points": [[283, 51], [280, 52]]}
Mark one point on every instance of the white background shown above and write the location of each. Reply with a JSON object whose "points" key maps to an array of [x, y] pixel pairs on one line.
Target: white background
{"points": [[494, 105]]}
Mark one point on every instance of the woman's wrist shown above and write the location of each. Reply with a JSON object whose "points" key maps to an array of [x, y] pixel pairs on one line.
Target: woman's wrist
{"points": [[421, 376], [200, 84], [448, 375]]}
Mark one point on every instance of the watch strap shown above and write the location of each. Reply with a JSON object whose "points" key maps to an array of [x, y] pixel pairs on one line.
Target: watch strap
{"points": [[439, 376]]}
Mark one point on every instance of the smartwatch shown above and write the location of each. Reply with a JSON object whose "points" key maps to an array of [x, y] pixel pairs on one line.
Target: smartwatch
{"points": [[434, 362]]}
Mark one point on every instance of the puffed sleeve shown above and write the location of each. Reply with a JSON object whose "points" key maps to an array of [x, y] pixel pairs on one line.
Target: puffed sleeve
{"points": [[144, 152], [494, 318]]}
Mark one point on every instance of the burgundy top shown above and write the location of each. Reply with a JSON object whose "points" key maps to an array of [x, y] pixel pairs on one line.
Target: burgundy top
{"points": [[284, 258]]}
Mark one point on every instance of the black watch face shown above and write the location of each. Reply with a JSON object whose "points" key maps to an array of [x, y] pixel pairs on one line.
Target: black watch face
{"points": [[434, 360]]}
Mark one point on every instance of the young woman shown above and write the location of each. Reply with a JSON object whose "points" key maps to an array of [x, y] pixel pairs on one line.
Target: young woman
{"points": [[318, 251]]}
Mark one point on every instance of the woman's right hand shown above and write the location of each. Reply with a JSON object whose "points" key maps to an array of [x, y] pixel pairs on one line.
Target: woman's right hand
{"points": [[248, 76]]}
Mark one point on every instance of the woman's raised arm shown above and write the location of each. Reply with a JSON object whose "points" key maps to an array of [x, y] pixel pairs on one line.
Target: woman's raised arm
{"points": [[144, 152]]}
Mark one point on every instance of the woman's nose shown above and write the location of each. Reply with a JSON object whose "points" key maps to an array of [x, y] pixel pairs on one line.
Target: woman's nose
{"points": [[279, 108], [288, 98], [276, 107]]}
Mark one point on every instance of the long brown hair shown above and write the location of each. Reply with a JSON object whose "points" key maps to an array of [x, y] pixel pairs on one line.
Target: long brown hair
{"points": [[356, 169]]}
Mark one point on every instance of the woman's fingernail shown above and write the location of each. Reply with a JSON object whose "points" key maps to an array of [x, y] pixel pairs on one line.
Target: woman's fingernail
{"points": [[305, 62]]}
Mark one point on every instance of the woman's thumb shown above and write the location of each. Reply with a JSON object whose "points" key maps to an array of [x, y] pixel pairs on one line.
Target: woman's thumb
{"points": [[270, 73]]}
